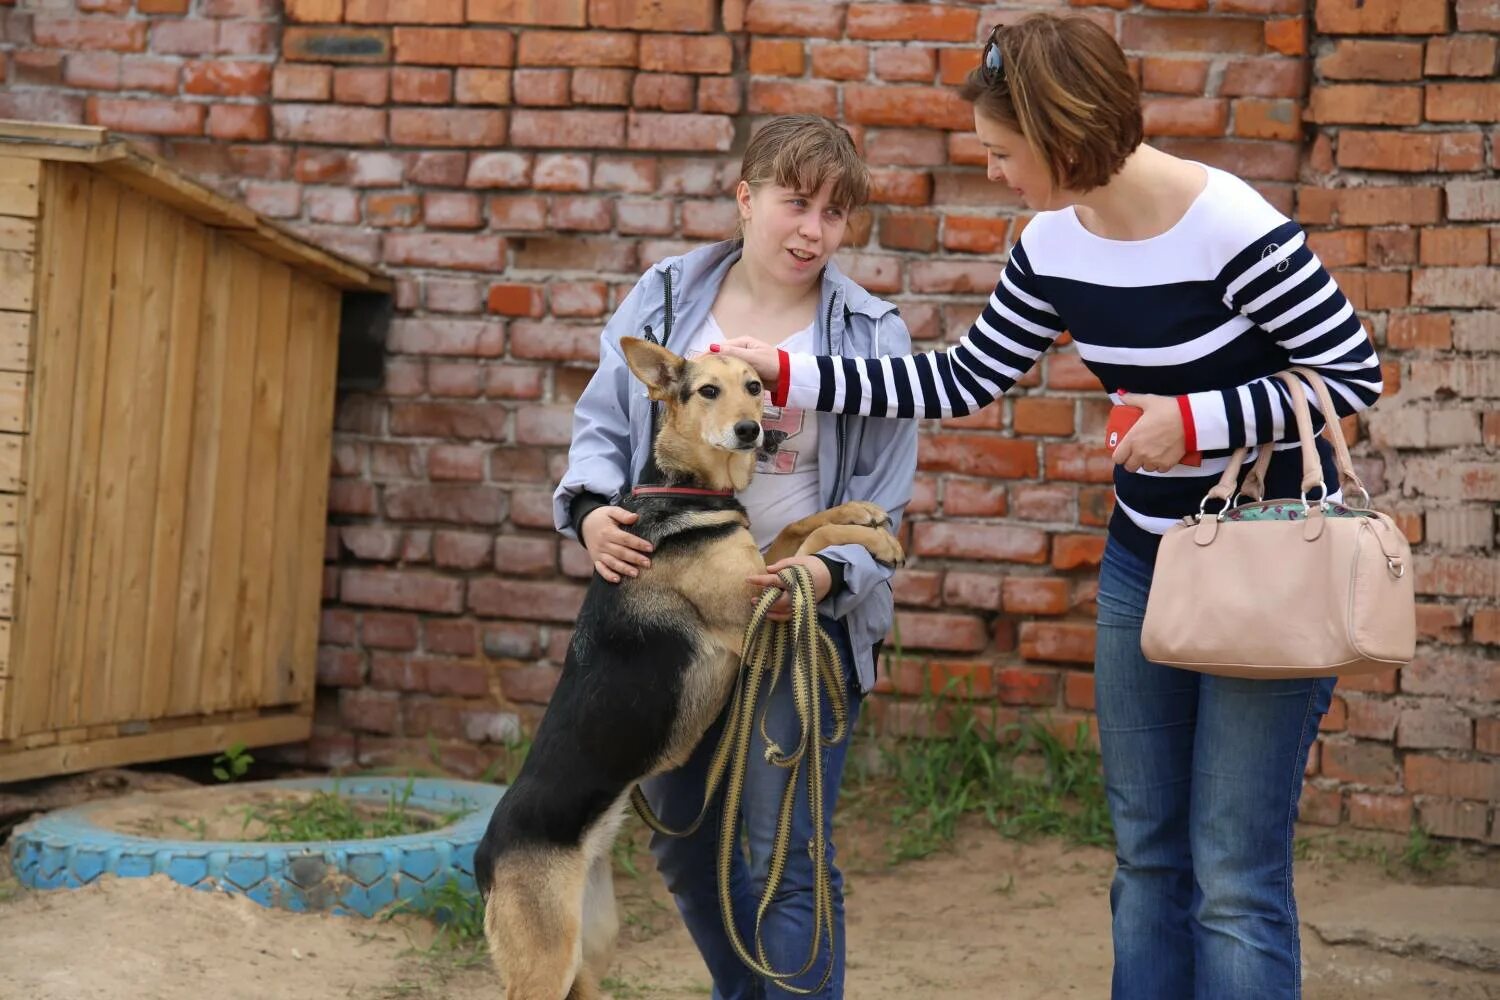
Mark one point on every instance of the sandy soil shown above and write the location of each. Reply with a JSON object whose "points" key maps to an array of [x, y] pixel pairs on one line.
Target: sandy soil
{"points": [[991, 919]]}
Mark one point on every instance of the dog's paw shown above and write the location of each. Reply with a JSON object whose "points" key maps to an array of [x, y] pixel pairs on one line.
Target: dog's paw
{"points": [[887, 550], [860, 512]]}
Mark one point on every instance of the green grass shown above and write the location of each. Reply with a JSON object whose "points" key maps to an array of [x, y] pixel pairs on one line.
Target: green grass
{"points": [[331, 816], [1023, 779], [1421, 855]]}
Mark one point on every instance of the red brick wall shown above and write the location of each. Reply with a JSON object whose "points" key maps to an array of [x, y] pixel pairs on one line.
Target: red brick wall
{"points": [[518, 162]]}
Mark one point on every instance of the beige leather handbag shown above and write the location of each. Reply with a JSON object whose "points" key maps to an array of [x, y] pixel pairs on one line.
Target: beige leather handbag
{"points": [[1284, 588]]}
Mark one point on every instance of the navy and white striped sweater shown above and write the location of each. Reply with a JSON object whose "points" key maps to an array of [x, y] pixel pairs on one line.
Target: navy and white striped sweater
{"points": [[1207, 312]]}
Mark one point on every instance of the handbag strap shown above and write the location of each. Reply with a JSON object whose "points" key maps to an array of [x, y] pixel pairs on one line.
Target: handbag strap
{"points": [[1312, 468], [1349, 480]]}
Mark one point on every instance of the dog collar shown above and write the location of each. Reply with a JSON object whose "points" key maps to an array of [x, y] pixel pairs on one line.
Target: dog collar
{"points": [[679, 491]]}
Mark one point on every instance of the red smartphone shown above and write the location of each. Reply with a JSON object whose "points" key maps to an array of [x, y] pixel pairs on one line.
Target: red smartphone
{"points": [[1122, 418]]}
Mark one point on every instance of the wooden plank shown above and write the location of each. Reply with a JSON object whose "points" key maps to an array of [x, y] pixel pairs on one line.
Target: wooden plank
{"points": [[7, 585], [12, 473], [174, 743], [82, 454], [228, 536], [17, 280], [203, 470], [66, 193], [152, 336], [251, 647], [20, 187], [13, 402], [25, 131], [10, 524], [172, 483], [315, 507], [4, 649], [17, 234], [330, 268], [150, 176], [15, 341], [295, 474], [120, 404]]}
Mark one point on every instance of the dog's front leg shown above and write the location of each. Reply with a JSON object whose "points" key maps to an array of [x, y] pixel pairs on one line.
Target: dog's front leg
{"points": [[793, 538]]}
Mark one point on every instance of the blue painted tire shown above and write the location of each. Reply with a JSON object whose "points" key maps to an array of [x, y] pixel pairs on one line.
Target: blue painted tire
{"points": [[68, 849]]}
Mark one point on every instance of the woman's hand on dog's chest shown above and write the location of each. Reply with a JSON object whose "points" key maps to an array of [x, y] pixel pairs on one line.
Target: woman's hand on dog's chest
{"points": [[615, 551], [782, 609]]}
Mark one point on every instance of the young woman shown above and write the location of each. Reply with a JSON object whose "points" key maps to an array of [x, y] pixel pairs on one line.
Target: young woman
{"points": [[1181, 286], [776, 286]]}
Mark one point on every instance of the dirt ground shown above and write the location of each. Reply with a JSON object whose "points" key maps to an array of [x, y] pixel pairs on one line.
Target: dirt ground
{"points": [[991, 919]]}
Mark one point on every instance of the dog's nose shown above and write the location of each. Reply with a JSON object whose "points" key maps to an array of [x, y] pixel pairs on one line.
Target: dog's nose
{"points": [[747, 431]]}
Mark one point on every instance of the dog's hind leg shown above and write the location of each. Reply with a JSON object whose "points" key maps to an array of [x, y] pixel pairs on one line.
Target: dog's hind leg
{"points": [[533, 920]]}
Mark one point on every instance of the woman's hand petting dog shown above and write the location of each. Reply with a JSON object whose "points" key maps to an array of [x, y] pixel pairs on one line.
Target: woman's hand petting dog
{"points": [[762, 357], [615, 551], [1158, 441], [782, 609]]}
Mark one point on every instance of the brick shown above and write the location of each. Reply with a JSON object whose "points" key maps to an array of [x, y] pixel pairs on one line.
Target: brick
{"points": [[1487, 627], [979, 591], [974, 234], [678, 133], [925, 107], [155, 117], [455, 47], [328, 124], [1361, 764], [801, 18], [1287, 35], [1382, 17], [1376, 206], [326, 45], [1031, 595], [1263, 78], [1478, 780], [941, 630], [1455, 246], [954, 277], [409, 590], [412, 85], [1338, 247], [601, 86], [909, 231], [571, 49], [295, 82], [88, 33], [1413, 152], [719, 95], [906, 64], [549, 602], [906, 148], [1461, 55], [686, 54], [990, 543], [1185, 33], [1380, 812], [403, 11], [541, 87], [662, 92], [1174, 76], [1365, 105], [1321, 806], [95, 70], [1196, 116], [563, 129], [1458, 674], [1370, 719], [654, 15], [1063, 642], [551, 13], [1372, 60], [1434, 728], [361, 85], [900, 187], [1022, 686], [1261, 119], [925, 22], [1463, 287], [835, 62], [1454, 819], [955, 65], [447, 127], [777, 57], [483, 86], [1473, 200], [781, 97], [1463, 102], [1478, 15]]}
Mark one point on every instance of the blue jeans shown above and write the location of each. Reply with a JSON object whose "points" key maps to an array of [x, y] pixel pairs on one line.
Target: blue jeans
{"points": [[690, 864], [1203, 776]]}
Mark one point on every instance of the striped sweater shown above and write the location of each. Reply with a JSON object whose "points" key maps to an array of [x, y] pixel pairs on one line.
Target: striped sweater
{"points": [[1206, 312]]}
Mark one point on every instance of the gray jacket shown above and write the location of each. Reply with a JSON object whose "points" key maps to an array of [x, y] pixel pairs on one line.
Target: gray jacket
{"points": [[859, 458]]}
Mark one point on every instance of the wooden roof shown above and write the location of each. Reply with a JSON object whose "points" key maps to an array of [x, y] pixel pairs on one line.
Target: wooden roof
{"points": [[151, 175]]}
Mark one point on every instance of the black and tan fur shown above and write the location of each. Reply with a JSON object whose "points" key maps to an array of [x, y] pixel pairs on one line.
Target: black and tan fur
{"points": [[651, 664]]}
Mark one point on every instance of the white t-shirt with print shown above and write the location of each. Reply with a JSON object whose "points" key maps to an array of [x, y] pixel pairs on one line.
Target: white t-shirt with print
{"points": [[785, 487]]}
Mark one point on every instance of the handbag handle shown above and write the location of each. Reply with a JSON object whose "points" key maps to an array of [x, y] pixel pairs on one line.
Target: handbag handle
{"points": [[1348, 478], [1227, 489]]}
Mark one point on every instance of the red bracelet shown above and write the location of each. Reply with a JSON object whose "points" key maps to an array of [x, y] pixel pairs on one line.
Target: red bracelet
{"points": [[1189, 430], [783, 378]]}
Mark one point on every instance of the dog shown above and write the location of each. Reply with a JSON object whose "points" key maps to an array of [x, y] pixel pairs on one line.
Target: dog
{"points": [[651, 664]]}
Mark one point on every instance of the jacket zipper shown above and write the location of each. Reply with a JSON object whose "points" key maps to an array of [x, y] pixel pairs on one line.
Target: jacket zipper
{"points": [[838, 421]]}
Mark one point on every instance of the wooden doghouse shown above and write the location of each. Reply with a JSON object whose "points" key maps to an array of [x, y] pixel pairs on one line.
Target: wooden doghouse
{"points": [[167, 373]]}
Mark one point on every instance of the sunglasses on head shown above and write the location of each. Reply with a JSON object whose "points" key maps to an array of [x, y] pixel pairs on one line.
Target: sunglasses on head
{"points": [[992, 63]]}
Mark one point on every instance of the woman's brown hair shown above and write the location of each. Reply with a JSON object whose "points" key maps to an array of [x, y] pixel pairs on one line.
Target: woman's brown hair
{"points": [[804, 152], [1065, 85]]}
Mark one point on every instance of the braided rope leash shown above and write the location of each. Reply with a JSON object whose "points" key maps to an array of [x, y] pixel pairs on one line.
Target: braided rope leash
{"points": [[814, 674]]}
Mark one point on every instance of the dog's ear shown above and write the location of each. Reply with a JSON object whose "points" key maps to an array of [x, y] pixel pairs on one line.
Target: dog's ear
{"points": [[654, 365]]}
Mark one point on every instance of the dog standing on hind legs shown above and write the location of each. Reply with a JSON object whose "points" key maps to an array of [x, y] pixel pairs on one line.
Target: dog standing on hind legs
{"points": [[651, 664]]}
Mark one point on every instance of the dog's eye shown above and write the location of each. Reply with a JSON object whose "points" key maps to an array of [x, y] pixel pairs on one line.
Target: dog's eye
{"points": [[709, 392], [753, 388]]}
